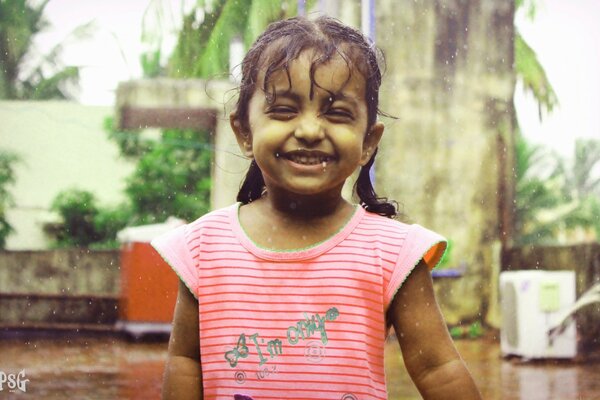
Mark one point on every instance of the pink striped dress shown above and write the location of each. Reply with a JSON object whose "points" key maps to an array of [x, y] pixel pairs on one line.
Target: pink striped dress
{"points": [[305, 324]]}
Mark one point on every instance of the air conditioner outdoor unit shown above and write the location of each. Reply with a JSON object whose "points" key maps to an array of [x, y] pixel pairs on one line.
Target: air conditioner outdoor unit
{"points": [[532, 302]]}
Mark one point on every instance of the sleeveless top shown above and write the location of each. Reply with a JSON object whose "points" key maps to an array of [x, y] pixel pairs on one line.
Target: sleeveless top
{"points": [[300, 324]]}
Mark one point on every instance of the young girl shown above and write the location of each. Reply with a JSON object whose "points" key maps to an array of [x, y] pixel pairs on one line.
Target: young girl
{"points": [[289, 293]]}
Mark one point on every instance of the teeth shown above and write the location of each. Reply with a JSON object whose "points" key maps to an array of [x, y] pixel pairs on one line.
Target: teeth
{"points": [[307, 160]]}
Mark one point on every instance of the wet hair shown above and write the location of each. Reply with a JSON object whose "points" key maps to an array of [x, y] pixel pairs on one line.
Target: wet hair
{"points": [[283, 42]]}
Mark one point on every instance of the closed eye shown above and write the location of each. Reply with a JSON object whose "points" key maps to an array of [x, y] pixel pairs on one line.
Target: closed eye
{"points": [[339, 113], [281, 112]]}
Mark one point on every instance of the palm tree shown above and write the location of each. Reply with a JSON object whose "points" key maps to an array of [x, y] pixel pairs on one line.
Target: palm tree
{"points": [[203, 45], [581, 181], [537, 192], [20, 21], [582, 185], [554, 197]]}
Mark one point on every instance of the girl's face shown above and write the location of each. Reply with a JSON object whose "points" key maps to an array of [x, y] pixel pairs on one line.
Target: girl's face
{"points": [[307, 145]]}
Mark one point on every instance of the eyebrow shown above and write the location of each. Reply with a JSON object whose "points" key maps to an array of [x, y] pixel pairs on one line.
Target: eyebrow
{"points": [[288, 94], [342, 96]]}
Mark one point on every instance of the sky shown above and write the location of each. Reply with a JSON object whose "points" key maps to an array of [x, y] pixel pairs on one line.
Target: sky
{"points": [[564, 34]]}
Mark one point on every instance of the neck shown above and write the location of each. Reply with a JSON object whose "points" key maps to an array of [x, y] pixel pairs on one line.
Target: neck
{"points": [[303, 207]]}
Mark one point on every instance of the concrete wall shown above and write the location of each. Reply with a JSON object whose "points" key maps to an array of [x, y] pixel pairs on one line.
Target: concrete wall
{"points": [[67, 288], [62, 145], [58, 288], [450, 84], [74, 289]]}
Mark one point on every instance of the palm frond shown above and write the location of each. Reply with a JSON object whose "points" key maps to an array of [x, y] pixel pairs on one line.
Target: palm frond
{"points": [[214, 60], [533, 76]]}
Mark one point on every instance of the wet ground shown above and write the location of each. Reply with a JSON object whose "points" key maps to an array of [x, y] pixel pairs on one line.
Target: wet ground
{"points": [[110, 368]]}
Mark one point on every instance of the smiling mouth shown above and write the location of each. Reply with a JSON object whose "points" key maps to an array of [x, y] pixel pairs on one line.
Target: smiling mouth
{"points": [[308, 158]]}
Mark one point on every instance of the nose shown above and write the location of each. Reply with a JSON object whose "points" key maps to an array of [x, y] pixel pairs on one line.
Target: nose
{"points": [[309, 130]]}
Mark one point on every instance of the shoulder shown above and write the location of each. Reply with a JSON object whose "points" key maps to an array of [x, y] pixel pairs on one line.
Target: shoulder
{"points": [[382, 226], [215, 217], [412, 241]]}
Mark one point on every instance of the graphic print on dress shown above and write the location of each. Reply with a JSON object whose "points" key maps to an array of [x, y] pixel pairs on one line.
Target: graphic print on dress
{"points": [[304, 329]]}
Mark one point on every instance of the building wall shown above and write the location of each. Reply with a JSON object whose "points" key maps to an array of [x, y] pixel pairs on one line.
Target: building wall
{"points": [[62, 145], [67, 288], [447, 156]]}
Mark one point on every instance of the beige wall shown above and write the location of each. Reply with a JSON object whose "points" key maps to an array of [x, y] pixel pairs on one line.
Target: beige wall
{"points": [[62, 145], [447, 157]]}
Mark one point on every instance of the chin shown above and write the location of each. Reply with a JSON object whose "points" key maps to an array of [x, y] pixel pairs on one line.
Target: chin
{"points": [[315, 190]]}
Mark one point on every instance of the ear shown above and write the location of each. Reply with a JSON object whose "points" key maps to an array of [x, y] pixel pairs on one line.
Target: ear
{"points": [[371, 142], [243, 138]]}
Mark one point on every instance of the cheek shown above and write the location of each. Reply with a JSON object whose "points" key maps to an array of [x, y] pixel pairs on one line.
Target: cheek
{"points": [[351, 140]]}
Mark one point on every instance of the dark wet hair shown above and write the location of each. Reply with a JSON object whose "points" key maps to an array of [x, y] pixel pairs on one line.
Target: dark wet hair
{"points": [[274, 50]]}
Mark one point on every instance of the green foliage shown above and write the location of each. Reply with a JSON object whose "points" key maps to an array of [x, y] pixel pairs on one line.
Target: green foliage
{"points": [[38, 87], [535, 193], [20, 21], [193, 40], [553, 197], [581, 182], [82, 223], [472, 331], [214, 60], [130, 143], [7, 178], [529, 6], [172, 175], [203, 44], [533, 76], [582, 185], [173, 178], [150, 62], [108, 221]]}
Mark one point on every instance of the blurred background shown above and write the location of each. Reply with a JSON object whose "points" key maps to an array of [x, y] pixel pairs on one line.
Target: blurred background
{"points": [[114, 118]]}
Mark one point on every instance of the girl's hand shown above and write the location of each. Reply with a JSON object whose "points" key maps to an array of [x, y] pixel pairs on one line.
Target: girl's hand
{"points": [[429, 354]]}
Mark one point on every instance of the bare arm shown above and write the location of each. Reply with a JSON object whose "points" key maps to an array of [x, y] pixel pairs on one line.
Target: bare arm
{"points": [[429, 354], [183, 372]]}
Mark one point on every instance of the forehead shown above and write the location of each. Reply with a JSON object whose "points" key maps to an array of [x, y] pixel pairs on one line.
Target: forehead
{"points": [[336, 75]]}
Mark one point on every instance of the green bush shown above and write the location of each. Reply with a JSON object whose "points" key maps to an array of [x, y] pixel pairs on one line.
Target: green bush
{"points": [[172, 178], [7, 178], [82, 223]]}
